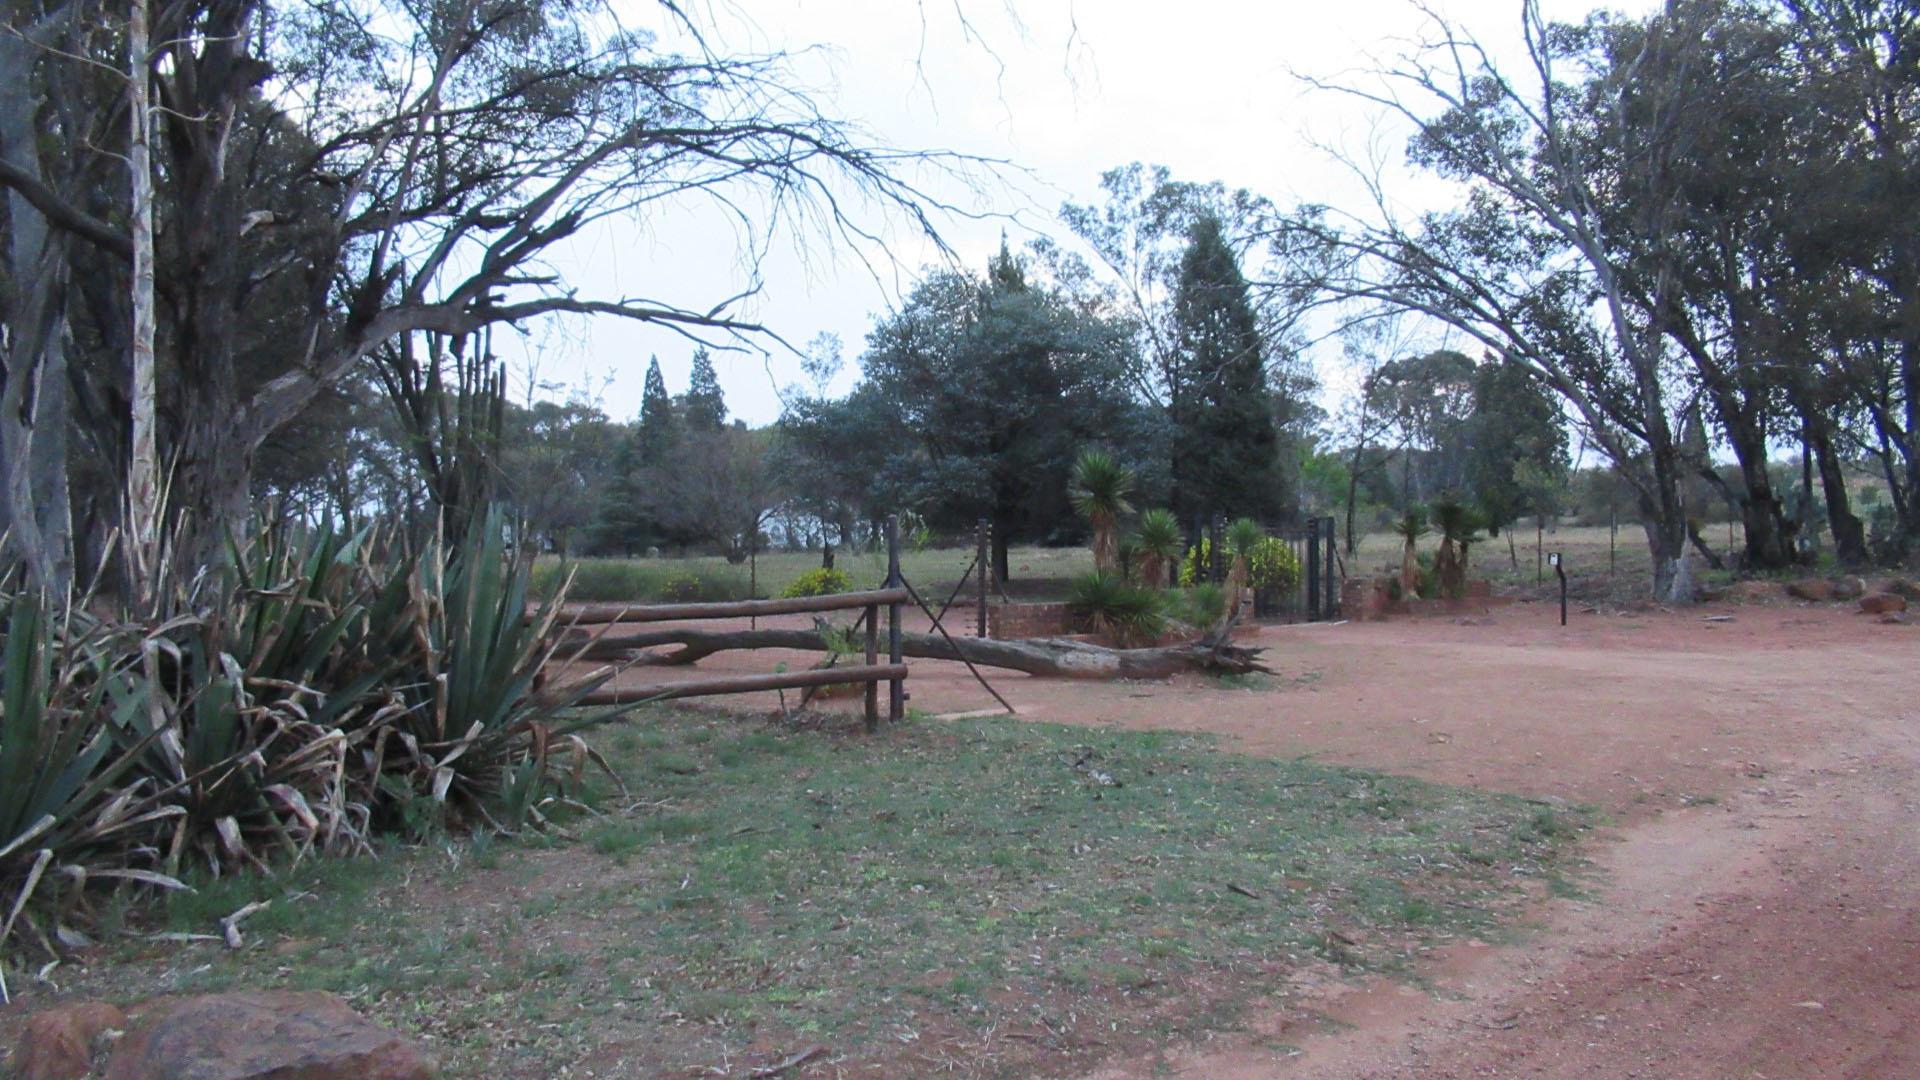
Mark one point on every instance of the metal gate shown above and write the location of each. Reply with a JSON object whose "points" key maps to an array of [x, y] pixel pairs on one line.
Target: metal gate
{"points": [[1314, 595]]}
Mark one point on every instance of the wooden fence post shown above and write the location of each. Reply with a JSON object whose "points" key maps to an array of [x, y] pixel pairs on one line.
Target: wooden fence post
{"points": [[896, 688], [873, 657], [982, 566]]}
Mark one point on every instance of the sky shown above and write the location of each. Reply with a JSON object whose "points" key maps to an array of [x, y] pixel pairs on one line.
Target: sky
{"points": [[1060, 91]]}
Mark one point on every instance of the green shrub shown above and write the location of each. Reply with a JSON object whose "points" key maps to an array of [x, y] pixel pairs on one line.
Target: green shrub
{"points": [[1273, 565], [1198, 607], [820, 582], [1106, 604], [1197, 564]]}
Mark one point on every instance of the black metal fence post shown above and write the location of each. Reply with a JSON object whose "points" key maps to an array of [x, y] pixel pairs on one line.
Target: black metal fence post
{"points": [[982, 567], [1313, 572], [1333, 570]]}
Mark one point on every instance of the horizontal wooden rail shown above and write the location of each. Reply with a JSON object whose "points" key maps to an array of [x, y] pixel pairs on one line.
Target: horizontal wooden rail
{"points": [[744, 684], [590, 614]]}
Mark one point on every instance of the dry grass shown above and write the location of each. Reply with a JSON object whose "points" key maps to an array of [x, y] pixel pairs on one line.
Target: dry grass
{"points": [[902, 900]]}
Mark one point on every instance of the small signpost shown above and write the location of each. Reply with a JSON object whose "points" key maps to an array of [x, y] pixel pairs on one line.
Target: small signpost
{"points": [[1560, 572]]}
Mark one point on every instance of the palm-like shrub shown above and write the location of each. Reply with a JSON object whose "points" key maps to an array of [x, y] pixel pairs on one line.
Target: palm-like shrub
{"points": [[1459, 528], [1156, 538], [1410, 528], [1099, 489], [1104, 604], [1243, 536]]}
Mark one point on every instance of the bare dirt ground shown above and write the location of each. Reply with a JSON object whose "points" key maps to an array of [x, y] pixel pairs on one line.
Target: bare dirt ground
{"points": [[1755, 910]]}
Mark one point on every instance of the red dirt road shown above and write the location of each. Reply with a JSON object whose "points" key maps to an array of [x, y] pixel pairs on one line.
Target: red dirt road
{"points": [[1756, 911]]}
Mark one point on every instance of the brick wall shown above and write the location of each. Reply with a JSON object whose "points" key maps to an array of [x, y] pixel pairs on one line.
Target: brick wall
{"points": [[1006, 621]]}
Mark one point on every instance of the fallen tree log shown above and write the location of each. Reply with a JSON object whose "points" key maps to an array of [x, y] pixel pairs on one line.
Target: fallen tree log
{"points": [[1058, 657]]}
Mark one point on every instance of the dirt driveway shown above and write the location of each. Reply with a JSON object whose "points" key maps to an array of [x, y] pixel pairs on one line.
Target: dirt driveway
{"points": [[1756, 906]]}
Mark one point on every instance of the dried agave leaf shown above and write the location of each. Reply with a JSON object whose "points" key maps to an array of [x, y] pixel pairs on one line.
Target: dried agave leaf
{"points": [[229, 831]]}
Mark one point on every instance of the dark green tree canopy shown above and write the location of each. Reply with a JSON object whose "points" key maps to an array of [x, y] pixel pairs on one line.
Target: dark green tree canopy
{"points": [[704, 407], [975, 397], [1226, 448]]}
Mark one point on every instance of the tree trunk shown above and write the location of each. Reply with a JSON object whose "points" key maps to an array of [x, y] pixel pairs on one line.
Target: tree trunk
{"points": [[1000, 545], [143, 469], [1057, 657], [1849, 534], [35, 508]]}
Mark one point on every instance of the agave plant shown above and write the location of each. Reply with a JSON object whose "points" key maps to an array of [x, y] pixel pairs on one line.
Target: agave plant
{"points": [[316, 687], [1104, 604], [1157, 539], [1099, 488], [481, 728], [74, 805], [1410, 528]]}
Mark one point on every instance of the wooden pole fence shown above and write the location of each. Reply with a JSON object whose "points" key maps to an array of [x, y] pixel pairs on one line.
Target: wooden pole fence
{"points": [[592, 614], [871, 674]]}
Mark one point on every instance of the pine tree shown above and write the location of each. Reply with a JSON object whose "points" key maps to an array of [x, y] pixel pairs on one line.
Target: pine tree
{"points": [[626, 520], [658, 432], [1226, 449], [705, 406]]}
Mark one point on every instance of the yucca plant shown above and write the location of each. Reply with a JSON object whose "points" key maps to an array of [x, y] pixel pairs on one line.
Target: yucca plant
{"points": [[1099, 489], [1410, 528], [1157, 539], [1104, 604], [1243, 538], [1459, 530]]}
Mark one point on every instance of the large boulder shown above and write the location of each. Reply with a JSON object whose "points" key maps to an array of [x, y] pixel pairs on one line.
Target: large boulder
{"points": [[272, 1035], [1849, 588], [1902, 587], [1753, 591], [1882, 604], [59, 1044], [1817, 590]]}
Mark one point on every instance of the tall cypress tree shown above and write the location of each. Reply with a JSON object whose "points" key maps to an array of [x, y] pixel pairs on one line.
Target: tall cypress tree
{"points": [[626, 520], [1226, 449], [705, 407]]}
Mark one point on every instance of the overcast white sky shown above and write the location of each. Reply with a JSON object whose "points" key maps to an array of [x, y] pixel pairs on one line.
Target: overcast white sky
{"points": [[1064, 90]]}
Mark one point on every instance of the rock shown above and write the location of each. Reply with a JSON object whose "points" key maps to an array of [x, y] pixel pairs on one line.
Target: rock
{"points": [[58, 1044], [277, 1034], [1814, 589], [1849, 588], [1883, 604], [1901, 587], [1753, 591]]}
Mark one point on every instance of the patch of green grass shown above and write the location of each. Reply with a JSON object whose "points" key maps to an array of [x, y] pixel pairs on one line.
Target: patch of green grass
{"points": [[1037, 572], [846, 888]]}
